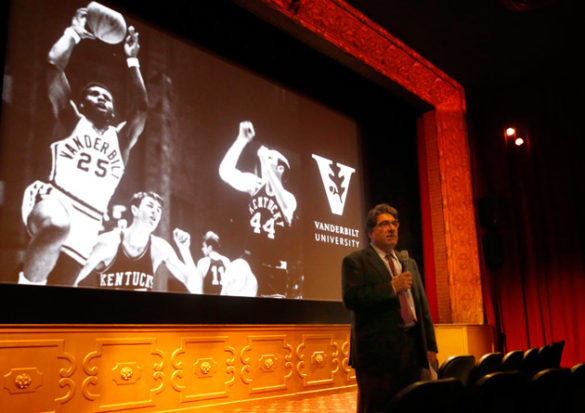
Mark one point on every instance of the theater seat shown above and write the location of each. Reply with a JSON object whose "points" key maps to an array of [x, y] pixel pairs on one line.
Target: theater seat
{"points": [[558, 347], [458, 367], [547, 391], [546, 357], [498, 392], [440, 396], [488, 363], [530, 362], [576, 392], [512, 361]]}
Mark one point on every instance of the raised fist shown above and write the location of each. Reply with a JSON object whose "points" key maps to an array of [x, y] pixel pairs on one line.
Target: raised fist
{"points": [[247, 130], [131, 44], [181, 238]]}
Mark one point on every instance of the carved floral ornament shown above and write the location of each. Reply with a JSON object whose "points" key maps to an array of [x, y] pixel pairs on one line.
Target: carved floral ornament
{"points": [[205, 367], [126, 373], [318, 357], [268, 362], [22, 381]]}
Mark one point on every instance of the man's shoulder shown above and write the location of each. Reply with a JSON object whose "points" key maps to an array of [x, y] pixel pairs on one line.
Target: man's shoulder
{"points": [[359, 253], [111, 237], [159, 244]]}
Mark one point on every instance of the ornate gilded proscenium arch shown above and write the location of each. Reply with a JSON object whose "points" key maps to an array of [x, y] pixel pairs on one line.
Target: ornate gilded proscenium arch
{"points": [[444, 160]]}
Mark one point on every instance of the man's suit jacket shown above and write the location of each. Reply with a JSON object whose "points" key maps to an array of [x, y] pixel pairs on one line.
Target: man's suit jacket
{"points": [[377, 335]]}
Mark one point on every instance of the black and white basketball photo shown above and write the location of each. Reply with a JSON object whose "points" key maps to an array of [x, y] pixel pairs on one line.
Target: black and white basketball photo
{"points": [[132, 159]]}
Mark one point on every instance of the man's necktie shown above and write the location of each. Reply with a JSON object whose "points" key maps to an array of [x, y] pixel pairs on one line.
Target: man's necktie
{"points": [[405, 310]]}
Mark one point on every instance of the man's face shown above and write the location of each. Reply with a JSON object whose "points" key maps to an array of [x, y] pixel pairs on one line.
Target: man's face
{"points": [[206, 249], [385, 234], [98, 102], [148, 212]]}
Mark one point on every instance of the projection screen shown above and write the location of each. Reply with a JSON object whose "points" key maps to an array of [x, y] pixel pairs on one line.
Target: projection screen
{"points": [[133, 159]]}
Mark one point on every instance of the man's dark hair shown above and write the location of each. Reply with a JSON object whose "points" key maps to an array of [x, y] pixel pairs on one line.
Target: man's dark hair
{"points": [[211, 239], [89, 85], [139, 196], [372, 217]]}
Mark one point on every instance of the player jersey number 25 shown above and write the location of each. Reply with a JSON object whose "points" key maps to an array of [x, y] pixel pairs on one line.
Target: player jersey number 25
{"points": [[85, 164], [88, 164]]}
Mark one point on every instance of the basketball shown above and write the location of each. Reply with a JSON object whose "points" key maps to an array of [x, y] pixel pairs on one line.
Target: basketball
{"points": [[106, 24]]}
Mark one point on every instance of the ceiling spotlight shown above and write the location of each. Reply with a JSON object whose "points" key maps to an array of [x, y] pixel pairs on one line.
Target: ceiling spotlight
{"points": [[510, 132], [519, 141]]}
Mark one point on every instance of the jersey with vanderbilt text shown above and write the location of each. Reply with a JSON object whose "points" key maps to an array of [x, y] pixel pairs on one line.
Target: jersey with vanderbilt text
{"points": [[88, 164], [128, 273]]}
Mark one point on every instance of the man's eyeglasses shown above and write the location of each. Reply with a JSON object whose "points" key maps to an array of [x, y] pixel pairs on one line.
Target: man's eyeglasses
{"points": [[385, 224]]}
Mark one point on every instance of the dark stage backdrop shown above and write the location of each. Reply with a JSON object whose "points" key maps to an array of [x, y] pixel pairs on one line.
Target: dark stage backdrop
{"points": [[343, 142]]}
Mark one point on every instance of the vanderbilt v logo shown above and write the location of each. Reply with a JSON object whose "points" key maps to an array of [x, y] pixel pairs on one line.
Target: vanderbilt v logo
{"points": [[335, 179]]}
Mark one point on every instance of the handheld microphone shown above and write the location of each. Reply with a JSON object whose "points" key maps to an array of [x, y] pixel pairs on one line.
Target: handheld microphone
{"points": [[403, 258]]}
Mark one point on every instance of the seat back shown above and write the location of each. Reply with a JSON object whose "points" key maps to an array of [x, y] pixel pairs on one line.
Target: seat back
{"points": [[530, 362], [458, 367], [546, 357], [512, 361], [557, 348], [488, 363], [498, 392], [548, 390], [576, 393], [439, 396]]}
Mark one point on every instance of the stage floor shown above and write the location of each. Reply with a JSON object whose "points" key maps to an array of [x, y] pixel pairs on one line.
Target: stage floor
{"points": [[344, 402]]}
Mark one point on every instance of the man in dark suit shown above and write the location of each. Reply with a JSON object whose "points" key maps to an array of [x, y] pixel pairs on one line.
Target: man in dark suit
{"points": [[392, 336]]}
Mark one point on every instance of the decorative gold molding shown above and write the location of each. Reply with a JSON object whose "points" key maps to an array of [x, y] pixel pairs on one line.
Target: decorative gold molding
{"points": [[109, 362], [208, 377], [95, 366], [43, 358], [23, 380]]}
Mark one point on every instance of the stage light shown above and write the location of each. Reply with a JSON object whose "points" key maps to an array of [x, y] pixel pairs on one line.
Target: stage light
{"points": [[510, 132], [519, 141]]}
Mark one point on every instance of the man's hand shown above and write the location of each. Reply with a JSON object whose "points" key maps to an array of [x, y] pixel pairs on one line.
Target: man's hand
{"points": [[433, 362], [131, 44], [402, 282], [181, 238], [432, 356], [246, 130], [78, 23]]}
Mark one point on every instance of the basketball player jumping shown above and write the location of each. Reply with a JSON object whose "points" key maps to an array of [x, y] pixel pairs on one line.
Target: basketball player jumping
{"points": [[271, 210], [129, 258], [91, 149]]}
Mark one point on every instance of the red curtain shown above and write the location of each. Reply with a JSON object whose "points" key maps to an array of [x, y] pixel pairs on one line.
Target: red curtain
{"points": [[534, 290]]}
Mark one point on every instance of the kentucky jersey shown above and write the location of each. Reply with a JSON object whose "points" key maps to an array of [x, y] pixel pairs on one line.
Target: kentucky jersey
{"points": [[128, 273], [212, 283], [266, 217], [269, 244], [88, 164]]}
